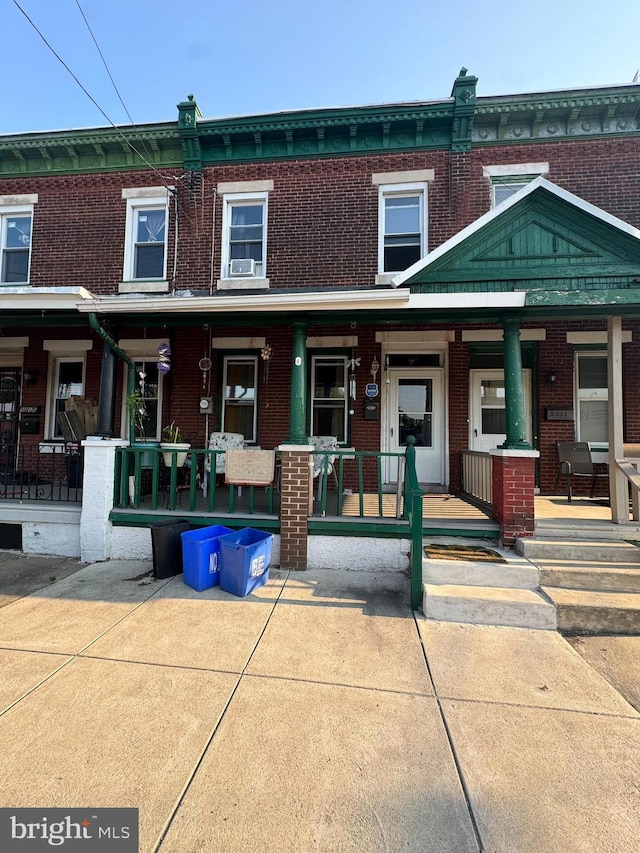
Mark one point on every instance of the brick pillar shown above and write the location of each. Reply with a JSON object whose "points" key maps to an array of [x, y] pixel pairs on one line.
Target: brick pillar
{"points": [[513, 483], [295, 485]]}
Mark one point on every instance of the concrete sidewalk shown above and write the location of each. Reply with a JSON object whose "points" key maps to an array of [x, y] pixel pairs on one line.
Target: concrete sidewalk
{"points": [[314, 715]]}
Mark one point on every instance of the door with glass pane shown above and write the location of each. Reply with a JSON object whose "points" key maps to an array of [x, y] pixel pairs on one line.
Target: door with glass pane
{"points": [[487, 408], [9, 406], [416, 408]]}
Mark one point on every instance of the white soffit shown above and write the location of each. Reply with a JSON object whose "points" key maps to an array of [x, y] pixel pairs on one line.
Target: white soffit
{"points": [[467, 301]]}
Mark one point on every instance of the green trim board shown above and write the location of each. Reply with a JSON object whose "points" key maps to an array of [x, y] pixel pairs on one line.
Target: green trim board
{"points": [[457, 123]]}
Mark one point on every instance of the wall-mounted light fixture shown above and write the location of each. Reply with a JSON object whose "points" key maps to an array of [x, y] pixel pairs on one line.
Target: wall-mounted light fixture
{"points": [[551, 378], [375, 367], [30, 377]]}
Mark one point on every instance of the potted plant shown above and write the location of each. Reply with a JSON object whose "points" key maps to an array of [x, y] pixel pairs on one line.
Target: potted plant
{"points": [[139, 420], [174, 442]]}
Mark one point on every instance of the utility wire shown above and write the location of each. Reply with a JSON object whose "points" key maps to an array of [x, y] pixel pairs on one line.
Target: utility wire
{"points": [[104, 62], [93, 101]]}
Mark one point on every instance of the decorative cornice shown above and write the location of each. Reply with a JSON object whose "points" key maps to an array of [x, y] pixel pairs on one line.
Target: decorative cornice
{"points": [[457, 123]]}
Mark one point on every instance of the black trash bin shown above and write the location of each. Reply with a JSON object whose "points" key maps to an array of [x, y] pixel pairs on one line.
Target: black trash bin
{"points": [[166, 546]]}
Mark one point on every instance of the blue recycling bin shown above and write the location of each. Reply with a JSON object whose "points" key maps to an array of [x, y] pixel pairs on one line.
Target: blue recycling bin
{"points": [[245, 556], [201, 556]]}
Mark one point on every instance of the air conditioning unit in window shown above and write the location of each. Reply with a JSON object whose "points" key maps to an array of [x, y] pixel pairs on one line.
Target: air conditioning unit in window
{"points": [[242, 266]]}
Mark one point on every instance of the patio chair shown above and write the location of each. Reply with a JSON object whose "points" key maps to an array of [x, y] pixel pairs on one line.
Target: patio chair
{"points": [[220, 441], [574, 460], [323, 442]]}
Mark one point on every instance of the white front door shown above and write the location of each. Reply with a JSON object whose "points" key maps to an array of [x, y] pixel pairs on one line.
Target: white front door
{"points": [[487, 422], [416, 407]]}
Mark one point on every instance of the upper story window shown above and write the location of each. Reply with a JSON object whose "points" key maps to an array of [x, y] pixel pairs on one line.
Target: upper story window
{"points": [[244, 233], [145, 254], [402, 220], [16, 214], [402, 226], [508, 180]]}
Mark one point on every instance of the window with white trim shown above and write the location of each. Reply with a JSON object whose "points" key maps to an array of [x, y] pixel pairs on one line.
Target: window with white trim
{"points": [[329, 396], [148, 385], [15, 241], [145, 256], [402, 226], [592, 397], [244, 235], [68, 381], [239, 410], [511, 178]]}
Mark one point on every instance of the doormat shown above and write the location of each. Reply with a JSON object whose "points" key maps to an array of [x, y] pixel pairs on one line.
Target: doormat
{"points": [[463, 552]]}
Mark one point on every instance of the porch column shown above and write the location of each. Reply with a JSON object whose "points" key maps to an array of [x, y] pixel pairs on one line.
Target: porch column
{"points": [[295, 490], [515, 413], [97, 497], [513, 483], [107, 398], [618, 487], [298, 394]]}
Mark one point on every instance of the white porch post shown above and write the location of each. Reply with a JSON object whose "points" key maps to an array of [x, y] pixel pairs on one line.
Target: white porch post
{"points": [[97, 497], [618, 487]]}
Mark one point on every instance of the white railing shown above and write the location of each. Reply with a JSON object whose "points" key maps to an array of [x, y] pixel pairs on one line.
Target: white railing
{"points": [[476, 475]]}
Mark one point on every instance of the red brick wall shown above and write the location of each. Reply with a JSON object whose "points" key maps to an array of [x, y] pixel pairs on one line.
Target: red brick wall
{"points": [[513, 480]]}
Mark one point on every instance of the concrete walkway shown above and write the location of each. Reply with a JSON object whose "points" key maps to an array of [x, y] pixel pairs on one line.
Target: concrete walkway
{"points": [[314, 715]]}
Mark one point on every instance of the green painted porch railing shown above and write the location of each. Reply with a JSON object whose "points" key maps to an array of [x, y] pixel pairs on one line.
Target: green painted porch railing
{"points": [[408, 496], [143, 481], [413, 508]]}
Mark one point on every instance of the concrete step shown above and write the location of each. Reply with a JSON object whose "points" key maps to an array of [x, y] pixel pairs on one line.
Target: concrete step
{"points": [[589, 550], [595, 576], [516, 574], [587, 612], [586, 528], [517, 608]]}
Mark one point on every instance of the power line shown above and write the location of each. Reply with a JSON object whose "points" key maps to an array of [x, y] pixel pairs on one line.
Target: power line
{"points": [[93, 101]]}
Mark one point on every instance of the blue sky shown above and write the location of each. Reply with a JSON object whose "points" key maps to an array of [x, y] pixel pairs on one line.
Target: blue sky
{"points": [[251, 56]]}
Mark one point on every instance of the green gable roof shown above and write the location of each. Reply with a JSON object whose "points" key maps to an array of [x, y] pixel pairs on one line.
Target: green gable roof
{"points": [[542, 238]]}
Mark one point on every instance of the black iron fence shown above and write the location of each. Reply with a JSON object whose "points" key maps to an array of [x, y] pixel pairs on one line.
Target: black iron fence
{"points": [[47, 471]]}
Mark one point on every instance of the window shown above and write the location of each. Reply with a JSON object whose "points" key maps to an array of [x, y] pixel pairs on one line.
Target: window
{"points": [[149, 385], [68, 382], [592, 397], [244, 229], [16, 214], [329, 397], [501, 190], [239, 399], [146, 236], [510, 179], [402, 226]]}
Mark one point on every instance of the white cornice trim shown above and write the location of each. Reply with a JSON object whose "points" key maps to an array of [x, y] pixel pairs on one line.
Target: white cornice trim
{"points": [[467, 300], [30, 298], [353, 300]]}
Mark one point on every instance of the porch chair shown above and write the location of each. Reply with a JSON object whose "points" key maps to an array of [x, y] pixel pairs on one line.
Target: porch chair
{"points": [[574, 460], [220, 441], [323, 442]]}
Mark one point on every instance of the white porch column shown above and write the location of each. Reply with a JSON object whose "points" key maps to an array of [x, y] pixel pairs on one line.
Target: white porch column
{"points": [[97, 497], [618, 486]]}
